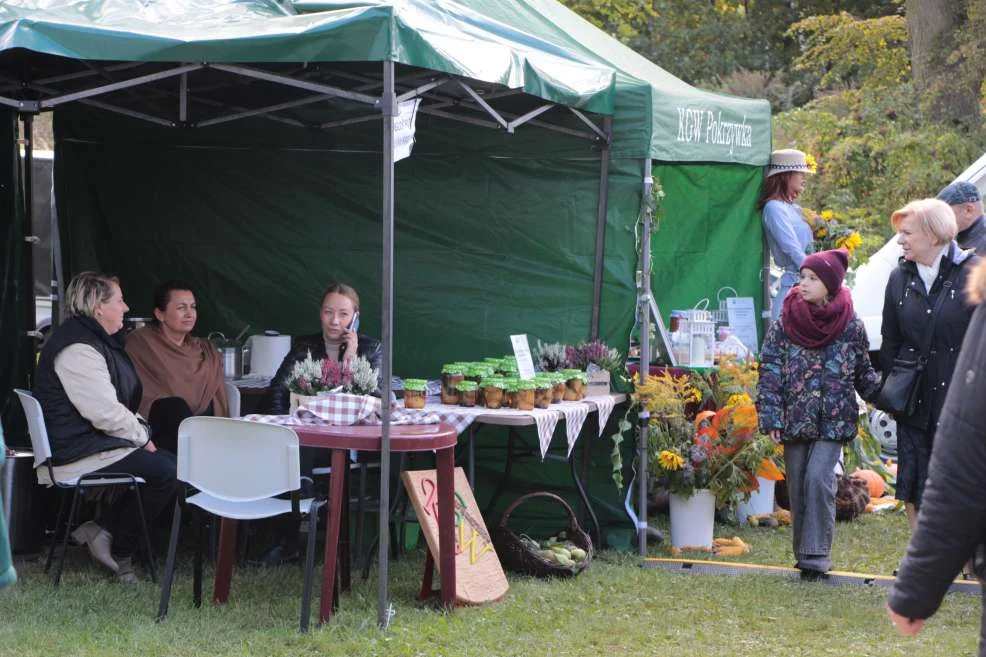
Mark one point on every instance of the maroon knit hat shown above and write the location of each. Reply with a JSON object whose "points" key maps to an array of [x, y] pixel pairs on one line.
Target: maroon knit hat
{"points": [[829, 266]]}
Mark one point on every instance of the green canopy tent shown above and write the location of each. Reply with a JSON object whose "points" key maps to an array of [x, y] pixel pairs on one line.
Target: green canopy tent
{"points": [[238, 144]]}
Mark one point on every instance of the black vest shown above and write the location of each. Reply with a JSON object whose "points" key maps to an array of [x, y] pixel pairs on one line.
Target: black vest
{"points": [[72, 436]]}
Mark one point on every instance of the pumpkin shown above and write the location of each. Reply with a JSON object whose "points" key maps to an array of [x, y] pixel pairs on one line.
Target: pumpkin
{"points": [[874, 482]]}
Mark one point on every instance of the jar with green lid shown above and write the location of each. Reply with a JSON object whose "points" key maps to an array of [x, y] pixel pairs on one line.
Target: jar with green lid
{"points": [[510, 392], [558, 387], [492, 389], [526, 389], [451, 375], [542, 391], [415, 391], [468, 392], [574, 384]]}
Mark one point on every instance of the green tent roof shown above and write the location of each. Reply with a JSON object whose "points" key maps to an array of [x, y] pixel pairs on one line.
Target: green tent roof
{"points": [[538, 46]]}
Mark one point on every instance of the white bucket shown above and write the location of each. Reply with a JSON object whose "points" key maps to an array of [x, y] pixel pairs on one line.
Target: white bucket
{"points": [[761, 501], [693, 519]]}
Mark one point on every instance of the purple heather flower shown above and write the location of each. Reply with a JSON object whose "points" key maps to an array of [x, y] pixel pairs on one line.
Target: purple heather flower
{"points": [[698, 455]]}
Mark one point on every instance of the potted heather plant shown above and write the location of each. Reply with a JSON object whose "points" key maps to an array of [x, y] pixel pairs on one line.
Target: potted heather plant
{"points": [[597, 360], [311, 378]]}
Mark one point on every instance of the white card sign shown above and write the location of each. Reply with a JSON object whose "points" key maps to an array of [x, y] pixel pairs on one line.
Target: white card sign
{"points": [[407, 112], [743, 320], [522, 350]]}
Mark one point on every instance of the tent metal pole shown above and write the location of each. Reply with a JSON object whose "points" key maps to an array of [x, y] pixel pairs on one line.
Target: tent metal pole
{"points": [[597, 275], [299, 84], [183, 98], [115, 86], [388, 106], [602, 134], [30, 240], [643, 308]]}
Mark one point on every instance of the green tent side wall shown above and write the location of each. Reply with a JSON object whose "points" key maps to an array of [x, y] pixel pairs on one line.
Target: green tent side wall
{"points": [[488, 243]]}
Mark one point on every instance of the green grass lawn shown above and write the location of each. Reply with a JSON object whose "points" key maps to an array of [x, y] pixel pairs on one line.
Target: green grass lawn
{"points": [[613, 608]]}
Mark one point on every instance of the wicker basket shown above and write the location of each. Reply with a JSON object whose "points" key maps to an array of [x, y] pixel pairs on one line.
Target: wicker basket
{"points": [[519, 558]]}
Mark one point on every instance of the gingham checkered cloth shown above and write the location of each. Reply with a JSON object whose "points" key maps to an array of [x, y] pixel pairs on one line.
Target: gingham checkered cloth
{"points": [[341, 409]]}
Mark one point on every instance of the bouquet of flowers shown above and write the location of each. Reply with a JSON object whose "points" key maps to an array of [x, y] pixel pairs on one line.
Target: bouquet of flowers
{"points": [[717, 448], [550, 356], [310, 377], [830, 233], [596, 353]]}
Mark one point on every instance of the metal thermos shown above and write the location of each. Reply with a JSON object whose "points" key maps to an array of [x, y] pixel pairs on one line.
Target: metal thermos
{"points": [[232, 355], [21, 499]]}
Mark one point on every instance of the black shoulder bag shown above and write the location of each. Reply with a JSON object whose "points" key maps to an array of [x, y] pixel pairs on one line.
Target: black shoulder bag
{"points": [[899, 394]]}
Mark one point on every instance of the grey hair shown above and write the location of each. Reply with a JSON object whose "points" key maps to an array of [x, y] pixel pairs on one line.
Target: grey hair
{"points": [[87, 290]]}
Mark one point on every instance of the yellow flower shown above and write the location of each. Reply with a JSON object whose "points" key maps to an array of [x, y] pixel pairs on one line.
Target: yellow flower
{"points": [[738, 400], [828, 215], [670, 460], [811, 162]]}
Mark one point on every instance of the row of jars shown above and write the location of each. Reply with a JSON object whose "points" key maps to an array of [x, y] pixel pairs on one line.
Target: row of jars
{"points": [[494, 383], [466, 389]]}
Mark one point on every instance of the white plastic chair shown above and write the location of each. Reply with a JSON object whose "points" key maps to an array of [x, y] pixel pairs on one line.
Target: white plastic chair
{"points": [[233, 399], [42, 457], [239, 467]]}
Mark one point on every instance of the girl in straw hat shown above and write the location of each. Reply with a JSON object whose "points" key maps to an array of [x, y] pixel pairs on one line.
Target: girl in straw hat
{"points": [[788, 235]]}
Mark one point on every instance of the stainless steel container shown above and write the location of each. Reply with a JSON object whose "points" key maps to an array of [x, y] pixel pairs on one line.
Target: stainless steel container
{"points": [[231, 354], [22, 504], [232, 361]]}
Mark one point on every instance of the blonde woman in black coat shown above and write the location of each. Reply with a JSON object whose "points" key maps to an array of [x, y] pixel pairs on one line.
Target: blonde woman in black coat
{"points": [[933, 264]]}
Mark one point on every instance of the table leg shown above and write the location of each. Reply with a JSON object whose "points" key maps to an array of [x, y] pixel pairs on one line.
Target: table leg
{"points": [[224, 561], [445, 464], [508, 467], [336, 480], [426, 577], [585, 500], [471, 472], [344, 546]]}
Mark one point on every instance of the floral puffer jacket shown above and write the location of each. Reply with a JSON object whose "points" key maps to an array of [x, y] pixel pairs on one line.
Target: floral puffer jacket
{"points": [[808, 393]]}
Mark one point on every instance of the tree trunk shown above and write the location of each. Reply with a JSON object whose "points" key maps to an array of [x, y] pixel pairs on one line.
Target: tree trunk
{"points": [[932, 26]]}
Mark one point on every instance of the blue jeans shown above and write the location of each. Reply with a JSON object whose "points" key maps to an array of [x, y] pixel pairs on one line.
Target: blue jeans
{"points": [[788, 279]]}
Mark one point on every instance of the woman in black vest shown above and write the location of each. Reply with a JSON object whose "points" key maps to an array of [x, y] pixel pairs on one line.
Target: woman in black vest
{"points": [[89, 393]]}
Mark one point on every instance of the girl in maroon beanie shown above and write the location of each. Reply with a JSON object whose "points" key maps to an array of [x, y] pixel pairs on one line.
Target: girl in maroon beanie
{"points": [[813, 357]]}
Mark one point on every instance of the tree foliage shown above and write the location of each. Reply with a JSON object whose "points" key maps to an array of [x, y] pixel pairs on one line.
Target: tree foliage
{"points": [[840, 75]]}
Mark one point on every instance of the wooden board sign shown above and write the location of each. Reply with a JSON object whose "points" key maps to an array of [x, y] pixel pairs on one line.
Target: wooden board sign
{"points": [[479, 577]]}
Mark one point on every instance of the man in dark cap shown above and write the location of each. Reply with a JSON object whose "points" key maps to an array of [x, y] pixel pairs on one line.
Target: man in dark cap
{"points": [[967, 204]]}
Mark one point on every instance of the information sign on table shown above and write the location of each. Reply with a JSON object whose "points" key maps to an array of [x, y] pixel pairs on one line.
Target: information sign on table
{"points": [[743, 320], [479, 577], [522, 350]]}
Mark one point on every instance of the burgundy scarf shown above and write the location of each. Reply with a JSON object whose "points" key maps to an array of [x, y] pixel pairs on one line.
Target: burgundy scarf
{"points": [[813, 326]]}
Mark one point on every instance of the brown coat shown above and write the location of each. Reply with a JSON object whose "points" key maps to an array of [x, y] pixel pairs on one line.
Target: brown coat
{"points": [[192, 371]]}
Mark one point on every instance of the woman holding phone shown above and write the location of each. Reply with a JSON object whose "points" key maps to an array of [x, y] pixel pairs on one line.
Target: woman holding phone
{"points": [[338, 340]]}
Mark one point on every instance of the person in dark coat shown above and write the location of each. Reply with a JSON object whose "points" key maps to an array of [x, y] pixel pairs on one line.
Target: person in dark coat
{"points": [[932, 265], [951, 525], [338, 340], [967, 204], [812, 359]]}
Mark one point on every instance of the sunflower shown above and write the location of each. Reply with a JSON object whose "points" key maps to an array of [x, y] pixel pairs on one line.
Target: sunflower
{"points": [[670, 460]]}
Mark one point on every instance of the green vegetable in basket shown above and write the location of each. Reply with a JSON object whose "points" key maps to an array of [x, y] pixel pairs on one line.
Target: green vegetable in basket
{"points": [[578, 554]]}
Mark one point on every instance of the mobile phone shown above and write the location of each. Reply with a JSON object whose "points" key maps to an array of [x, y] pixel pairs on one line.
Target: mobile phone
{"points": [[354, 323]]}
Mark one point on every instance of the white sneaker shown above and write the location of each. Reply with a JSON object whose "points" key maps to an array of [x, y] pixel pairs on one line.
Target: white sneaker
{"points": [[99, 541]]}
